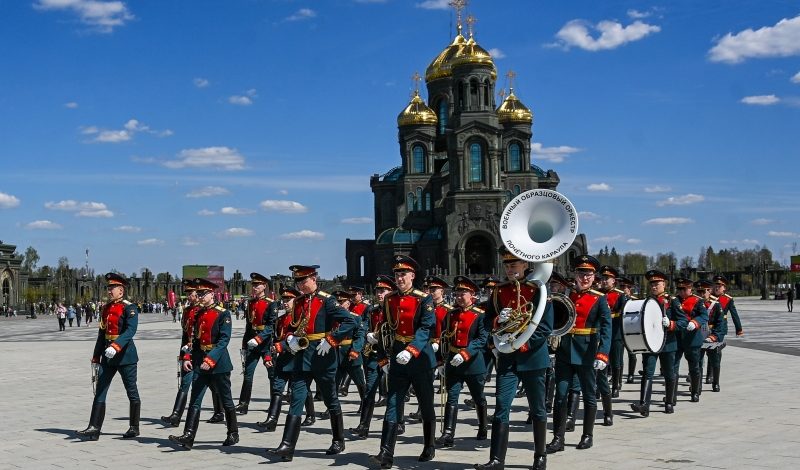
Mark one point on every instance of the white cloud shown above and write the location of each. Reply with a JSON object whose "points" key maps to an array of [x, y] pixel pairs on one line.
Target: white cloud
{"points": [[208, 191], [612, 34], [657, 189], [101, 16], [291, 207], [240, 100], [434, 5], [235, 211], [599, 187], [42, 225], [357, 220], [762, 221], [496, 53], [773, 233], [552, 154], [681, 200], [760, 100], [633, 241], [609, 238], [189, 241], [128, 229], [81, 209], [237, 232], [222, 158], [205, 212], [746, 241], [150, 242], [638, 15], [796, 78], [586, 215], [113, 137], [128, 131], [669, 221], [283, 192], [780, 40], [71, 105], [201, 82], [7, 201], [301, 14], [303, 235]]}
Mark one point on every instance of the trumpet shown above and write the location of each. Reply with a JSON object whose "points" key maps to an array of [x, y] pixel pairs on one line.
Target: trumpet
{"points": [[300, 330]]}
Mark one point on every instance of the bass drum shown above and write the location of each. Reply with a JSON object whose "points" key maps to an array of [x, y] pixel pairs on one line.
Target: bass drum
{"points": [[642, 330]]}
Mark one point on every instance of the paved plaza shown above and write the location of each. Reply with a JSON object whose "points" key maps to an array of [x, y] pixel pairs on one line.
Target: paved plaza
{"points": [[46, 394]]}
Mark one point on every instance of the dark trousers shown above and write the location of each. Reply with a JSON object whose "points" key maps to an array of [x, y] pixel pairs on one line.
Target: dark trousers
{"points": [[128, 375], [667, 360], [692, 357], [62, 324], [218, 383], [373, 376], [532, 382], [347, 367], [300, 384], [617, 354], [398, 389], [455, 383], [565, 377]]}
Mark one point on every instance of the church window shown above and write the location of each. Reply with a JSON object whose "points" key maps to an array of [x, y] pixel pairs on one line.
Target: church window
{"points": [[486, 88], [475, 162], [461, 96], [410, 202], [418, 154], [514, 158], [473, 94], [427, 201], [418, 200], [517, 190], [442, 116]]}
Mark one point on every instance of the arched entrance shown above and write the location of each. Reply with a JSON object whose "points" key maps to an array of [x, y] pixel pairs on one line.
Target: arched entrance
{"points": [[6, 292], [479, 255]]}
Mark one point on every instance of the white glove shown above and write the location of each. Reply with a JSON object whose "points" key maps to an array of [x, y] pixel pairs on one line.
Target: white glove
{"points": [[440, 371], [293, 343], [708, 340], [371, 338], [496, 354], [665, 321], [403, 357], [435, 347], [110, 352], [185, 348], [457, 360], [323, 347], [385, 368], [281, 312], [252, 343], [691, 326], [504, 314], [599, 365]]}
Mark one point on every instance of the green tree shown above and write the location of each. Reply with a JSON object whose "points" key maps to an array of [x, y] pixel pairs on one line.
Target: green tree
{"points": [[30, 259]]}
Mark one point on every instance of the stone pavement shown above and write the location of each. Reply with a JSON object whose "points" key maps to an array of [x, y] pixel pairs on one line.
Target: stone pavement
{"points": [[46, 395]]}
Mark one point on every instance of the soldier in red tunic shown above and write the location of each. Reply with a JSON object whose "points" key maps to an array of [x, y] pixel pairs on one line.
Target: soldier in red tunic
{"points": [[692, 321], [257, 332], [616, 302], [187, 323]]}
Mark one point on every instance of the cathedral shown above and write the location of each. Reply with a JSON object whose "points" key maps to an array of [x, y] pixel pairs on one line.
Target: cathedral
{"points": [[463, 157]]}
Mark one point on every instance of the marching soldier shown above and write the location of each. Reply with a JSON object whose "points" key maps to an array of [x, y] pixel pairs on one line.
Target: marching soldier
{"points": [[211, 362], [257, 335], [717, 329], [527, 364], [311, 340], [728, 306], [692, 320], [411, 318], [114, 351], [616, 303], [487, 287], [666, 357], [627, 287], [187, 323], [374, 374], [462, 345], [580, 352], [351, 364]]}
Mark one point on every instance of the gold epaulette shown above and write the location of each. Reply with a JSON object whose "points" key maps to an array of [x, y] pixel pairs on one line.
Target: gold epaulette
{"points": [[695, 295], [478, 310], [726, 295], [366, 303], [219, 307], [633, 297], [126, 302], [617, 290], [447, 306], [596, 292], [713, 298], [418, 293], [323, 294]]}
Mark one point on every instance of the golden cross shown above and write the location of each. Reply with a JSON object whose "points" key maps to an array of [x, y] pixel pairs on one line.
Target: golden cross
{"points": [[417, 78], [502, 94], [510, 75], [471, 20], [458, 5]]}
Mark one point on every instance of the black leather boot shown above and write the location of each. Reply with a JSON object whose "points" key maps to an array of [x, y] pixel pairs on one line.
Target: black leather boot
{"points": [[608, 413], [449, 424], [344, 388], [631, 367], [573, 401], [271, 423], [559, 423], [646, 389], [177, 411], [186, 440], [669, 385], [362, 430], [311, 416], [675, 391], [429, 438], [92, 432], [219, 415], [362, 392], [483, 421], [133, 429], [337, 429], [709, 372], [415, 415], [715, 385], [499, 445], [233, 428], [540, 450], [615, 383], [244, 397], [291, 432], [697, 387], [550, 389], [385, 457], [589, 415]]}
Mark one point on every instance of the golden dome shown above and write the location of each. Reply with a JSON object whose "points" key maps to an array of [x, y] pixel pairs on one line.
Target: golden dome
{"points": [[512, 110], [472, 53], [440, 66], [417, 113]]}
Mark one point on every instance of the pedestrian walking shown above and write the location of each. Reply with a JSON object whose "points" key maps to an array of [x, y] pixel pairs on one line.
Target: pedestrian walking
{"points": [[61, 314], [790, 299]]}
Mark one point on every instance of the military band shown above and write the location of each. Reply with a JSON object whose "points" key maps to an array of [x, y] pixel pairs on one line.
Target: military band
{"points": [[717, 329], [692, 321], [185, 376], [257, 336]]}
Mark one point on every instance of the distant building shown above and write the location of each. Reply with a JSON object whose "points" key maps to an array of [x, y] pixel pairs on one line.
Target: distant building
{"points": [[13, 282], [463, 157]]}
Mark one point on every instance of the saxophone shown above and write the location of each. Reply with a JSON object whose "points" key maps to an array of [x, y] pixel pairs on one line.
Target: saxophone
{"points": [[300, 327], [368, 348]]}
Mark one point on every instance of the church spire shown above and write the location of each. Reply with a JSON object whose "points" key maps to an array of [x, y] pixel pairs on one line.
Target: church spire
{"points": [[459, 5]]}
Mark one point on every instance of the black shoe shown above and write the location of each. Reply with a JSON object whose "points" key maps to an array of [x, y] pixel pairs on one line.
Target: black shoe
{"points": [[608, 414], [715, 388], [449, 426], [291, 432], [415, 416], [585, 443], [325, 414], [241, 408], [381, 402], [469, 403], [401, 429], [133, 429], [271, 423], [174, 419], [233, 428], [573, 402], [92, 432], [483, 422], [337, 428], [499, 445], [556, 445], [629, 380], [428, 432], [696, 388], [186, 440], [362, 430], [309, 421], [539, 462], [219, 415], [385, 457], [216, 418]]}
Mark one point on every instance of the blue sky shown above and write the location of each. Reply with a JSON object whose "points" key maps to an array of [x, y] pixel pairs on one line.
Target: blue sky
{"points": [[244, 132]]}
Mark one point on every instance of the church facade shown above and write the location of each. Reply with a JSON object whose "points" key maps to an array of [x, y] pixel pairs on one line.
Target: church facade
{"points": [[463, 156]]}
